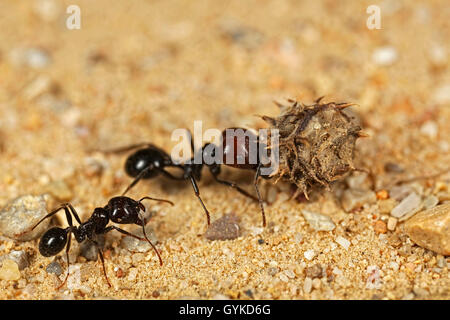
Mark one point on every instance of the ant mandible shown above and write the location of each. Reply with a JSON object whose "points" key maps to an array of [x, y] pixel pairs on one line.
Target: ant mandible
{"points": [[122, 210], [150, 161]]}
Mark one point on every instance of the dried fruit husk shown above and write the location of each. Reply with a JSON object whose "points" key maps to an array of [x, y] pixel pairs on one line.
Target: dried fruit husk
{"points": [[316, 143]]}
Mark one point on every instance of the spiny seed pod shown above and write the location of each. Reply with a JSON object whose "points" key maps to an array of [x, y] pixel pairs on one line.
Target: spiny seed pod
{"points": [[316, 143]]}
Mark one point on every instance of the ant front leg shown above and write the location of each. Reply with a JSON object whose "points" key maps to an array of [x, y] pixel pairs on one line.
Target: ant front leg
{"points": [[215, 171], [66, 207], [138, 178], [261, 202], [196, 191], [100, 252], [136, 237]]}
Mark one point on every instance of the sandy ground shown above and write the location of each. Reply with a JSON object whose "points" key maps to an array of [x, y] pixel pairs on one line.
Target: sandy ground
{"points": [[136, 71]]}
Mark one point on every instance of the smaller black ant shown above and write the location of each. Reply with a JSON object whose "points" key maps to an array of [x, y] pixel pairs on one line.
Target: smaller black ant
{"points": [[149, 161], [121, 210]]}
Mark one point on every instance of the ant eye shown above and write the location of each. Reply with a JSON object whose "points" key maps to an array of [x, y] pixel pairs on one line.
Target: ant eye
{"points": [[52, 242]]}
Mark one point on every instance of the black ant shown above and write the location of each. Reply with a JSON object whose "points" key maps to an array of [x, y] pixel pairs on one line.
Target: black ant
{"points": [[121, 210], [150, 161]]}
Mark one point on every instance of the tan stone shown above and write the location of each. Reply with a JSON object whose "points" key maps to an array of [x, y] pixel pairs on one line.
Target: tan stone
{"points": [[9, 270], [431, 229]]}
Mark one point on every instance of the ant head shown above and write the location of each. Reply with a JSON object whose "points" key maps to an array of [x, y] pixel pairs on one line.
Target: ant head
{"points": [[124, 210], [145, 159], [52, 241]]}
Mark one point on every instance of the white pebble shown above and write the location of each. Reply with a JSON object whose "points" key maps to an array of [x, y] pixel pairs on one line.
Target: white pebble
{"points": [[384, 56], [309, 254], [316, 283], [307, 286], [391, 223], [408, 205], [429, 129], [394, 265], [430, 202], [441, 94], [290, 274], [283, 277], [337, 271], [318, 222], [343, 242]]}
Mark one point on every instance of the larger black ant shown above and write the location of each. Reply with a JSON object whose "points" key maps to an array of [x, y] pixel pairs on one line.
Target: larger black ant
{"points": [[121, 210], [150, 161]]}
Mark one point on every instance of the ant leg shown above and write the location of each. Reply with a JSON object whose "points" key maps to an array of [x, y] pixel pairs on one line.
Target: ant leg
{"points": [[69, 230], [137, 179], [102, 259], [233, 185], [261, 203], [144, 222], [64, 206], [196, 190], [136, 237], [197, 194], [74, 212]]}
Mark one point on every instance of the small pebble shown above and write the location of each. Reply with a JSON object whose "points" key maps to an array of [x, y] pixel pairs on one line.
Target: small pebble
{"points": [[93, 167], [307, 285], [343, 242], [224, 228], [430, 202], [35, 58], [355, 198], [373, 280], [283, 277], [9, 270], [241, 35], [309, 254], [392, 223], [137, 245], [386, 206], [431, 229], [318, 222], [441, 94], [54, 267], [21, 214], [314, 272], [429, 129], [89, 250], [380, 227], [155, 294], [393, 167], [290, 274], [382, 195], [409, 205], [20, 257], [273, 271], [384, 56], [400, 192], [316, 283], [441, 262], [420, 292]]}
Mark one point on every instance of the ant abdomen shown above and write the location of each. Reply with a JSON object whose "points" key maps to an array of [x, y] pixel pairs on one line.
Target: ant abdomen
{"points": [[143, 159], [240, 148], [52, 241]]}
